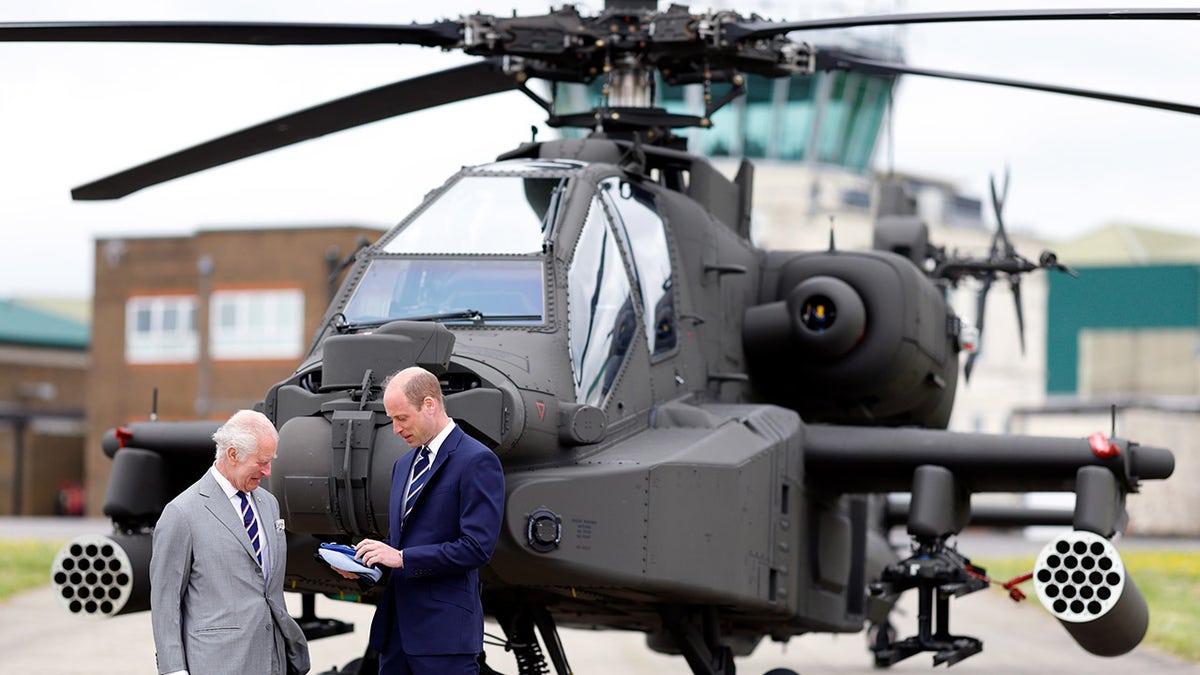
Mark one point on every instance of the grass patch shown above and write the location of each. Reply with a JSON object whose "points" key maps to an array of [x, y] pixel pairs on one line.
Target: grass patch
{"points": [[1170, 581], [25, 565]]}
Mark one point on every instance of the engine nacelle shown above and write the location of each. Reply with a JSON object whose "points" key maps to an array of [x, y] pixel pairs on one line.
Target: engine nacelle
{"points": [[1080, 578], [853, 338]]}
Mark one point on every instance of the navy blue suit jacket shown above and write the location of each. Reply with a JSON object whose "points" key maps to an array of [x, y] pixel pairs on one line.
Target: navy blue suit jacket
{"points": [[432, 603]]}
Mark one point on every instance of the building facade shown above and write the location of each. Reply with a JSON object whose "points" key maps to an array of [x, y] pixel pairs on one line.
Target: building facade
{"points": [[1123, 354], [198, 327], [43, 370]]}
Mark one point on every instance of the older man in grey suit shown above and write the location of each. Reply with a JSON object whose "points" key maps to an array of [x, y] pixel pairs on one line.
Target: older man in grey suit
{"points": [[216, 575]]}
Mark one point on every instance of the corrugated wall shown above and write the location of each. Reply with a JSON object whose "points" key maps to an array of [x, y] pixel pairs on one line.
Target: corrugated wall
{"points": [[1153, 296]]}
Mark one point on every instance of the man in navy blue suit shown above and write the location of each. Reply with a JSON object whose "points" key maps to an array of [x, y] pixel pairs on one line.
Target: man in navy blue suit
{"points": [[444, 514]]}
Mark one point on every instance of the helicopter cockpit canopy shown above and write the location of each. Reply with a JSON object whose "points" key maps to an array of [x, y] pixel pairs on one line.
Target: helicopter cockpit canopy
{"points": [[500, 208], [473, 253]]}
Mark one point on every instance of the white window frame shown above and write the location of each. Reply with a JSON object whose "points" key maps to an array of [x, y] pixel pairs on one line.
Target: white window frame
{"points": [[180, 344], [256, 324]]}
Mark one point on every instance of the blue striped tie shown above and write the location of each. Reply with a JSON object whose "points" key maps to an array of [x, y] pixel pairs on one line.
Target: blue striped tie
{"points": [[251, 525], [420, 475]]}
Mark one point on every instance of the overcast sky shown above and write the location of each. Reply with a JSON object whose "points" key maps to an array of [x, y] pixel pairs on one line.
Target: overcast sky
{"points": [[72, 113]]}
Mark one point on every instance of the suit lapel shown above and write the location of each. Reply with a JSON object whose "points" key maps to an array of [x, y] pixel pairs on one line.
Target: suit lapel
{"points": [[219, 506], [278, 540], [448, 446]]}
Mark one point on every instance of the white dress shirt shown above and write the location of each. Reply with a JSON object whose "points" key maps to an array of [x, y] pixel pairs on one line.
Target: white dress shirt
{"points": [[434, 444]]}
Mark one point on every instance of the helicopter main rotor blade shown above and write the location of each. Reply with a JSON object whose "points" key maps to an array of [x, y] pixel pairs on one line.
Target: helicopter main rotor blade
{"points": [[428, 91], [440, 34], [841, 60], [758, 30]]}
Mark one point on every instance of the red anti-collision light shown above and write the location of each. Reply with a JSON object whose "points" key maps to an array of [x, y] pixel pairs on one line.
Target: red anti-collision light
{"points": [[123, 435], [1103, 447]]}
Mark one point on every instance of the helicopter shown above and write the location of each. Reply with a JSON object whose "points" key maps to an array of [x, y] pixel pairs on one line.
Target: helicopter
{"points": [[697, 434]]}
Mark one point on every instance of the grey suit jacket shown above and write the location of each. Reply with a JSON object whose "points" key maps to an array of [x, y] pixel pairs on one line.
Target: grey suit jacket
{"points": [[208, 606]]}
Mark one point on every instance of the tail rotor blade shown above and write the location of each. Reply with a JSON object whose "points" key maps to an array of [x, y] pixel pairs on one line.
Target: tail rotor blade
{"points": [[1001, 235], [997, 208], [1015, 284], [980, 307]]}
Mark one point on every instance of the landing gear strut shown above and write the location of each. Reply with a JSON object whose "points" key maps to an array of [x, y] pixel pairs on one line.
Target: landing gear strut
{"points": [[701, 647], [939, 509], [315, 627], [933, 569], [518, 624]]}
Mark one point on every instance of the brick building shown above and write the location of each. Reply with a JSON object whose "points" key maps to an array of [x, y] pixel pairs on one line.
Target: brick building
{"points": [[210, 321], [43, 368]]}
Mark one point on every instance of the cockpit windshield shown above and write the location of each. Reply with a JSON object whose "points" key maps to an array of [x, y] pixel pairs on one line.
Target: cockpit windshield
{"points": [[491, 291], [484, 214], [472, 255]]}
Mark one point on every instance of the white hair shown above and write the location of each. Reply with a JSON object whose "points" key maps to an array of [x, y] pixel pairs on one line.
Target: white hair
{"points": [[242, 432]]}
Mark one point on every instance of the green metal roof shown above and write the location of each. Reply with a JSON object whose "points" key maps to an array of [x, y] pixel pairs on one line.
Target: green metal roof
{"points": [[1125, 244], [24, 325]]}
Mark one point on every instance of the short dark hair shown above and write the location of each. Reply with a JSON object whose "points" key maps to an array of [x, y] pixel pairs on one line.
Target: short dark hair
{"points": [[420, 383]]}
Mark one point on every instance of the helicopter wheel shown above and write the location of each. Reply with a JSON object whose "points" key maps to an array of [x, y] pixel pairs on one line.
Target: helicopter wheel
{"points": [[484, 668], [881, 637]]}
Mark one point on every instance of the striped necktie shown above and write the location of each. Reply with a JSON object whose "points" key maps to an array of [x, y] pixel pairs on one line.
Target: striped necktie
{"points": [[420, 475], [251, 524]]}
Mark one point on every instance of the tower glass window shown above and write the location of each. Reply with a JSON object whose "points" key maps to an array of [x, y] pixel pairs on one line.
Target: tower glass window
{"points": [[831, 118], [777, 118]]}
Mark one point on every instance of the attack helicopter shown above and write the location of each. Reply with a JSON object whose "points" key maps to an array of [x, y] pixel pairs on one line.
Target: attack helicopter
{"points": [[697, 434]]}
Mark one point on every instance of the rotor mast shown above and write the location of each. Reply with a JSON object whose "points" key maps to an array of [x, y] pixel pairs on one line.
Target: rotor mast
{"points": [[629, 84]]}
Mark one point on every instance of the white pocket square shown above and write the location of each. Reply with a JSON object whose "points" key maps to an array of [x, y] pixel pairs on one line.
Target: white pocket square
{"points": [[279, 525]]}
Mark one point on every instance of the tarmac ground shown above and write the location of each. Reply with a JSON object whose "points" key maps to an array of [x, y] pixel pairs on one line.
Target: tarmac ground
{"points": [[38, 636]]}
